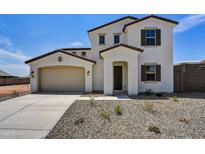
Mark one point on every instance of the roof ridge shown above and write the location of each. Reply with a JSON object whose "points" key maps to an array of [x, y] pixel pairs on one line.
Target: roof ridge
{"points": [[121, 44], [83, 48], [55, 51], [114, 21], [78, 56], [149, 16]]}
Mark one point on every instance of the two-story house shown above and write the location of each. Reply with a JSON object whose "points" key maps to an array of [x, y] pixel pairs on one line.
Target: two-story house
{"points": [[128, 54]]}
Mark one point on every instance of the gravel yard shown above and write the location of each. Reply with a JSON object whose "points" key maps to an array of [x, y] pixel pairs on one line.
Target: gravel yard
{"points": [[181, 116]]}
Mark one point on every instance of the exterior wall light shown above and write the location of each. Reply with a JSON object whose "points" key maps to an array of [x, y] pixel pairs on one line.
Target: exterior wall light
{"points": [[32, 74], [88, 73]]}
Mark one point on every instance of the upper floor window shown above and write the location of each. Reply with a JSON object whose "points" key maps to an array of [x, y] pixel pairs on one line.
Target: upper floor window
{"points": [[83, 53], [116, 38], [101, 39], [151, 37]]}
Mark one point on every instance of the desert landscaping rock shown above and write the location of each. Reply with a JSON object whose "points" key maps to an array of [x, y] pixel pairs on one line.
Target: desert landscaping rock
{"points": [[182, 119]]}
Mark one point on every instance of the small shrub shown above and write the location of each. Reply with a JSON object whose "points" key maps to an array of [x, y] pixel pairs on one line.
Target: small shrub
{"points": [[183, 120], [154, 128], [159, 95], [92, 99], [79, 121], [148, 106], [105, 115], [175, 99], [148, 92], [118, 110]]}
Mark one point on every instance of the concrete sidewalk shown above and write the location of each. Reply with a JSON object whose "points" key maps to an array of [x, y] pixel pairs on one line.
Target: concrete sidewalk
{"points": [[118, 97], [33, 115]]}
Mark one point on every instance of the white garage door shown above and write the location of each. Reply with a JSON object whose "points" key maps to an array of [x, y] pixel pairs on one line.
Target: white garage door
{"points": [[58, 79]]}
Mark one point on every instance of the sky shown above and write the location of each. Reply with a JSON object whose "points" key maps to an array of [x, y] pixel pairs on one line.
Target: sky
{"points": [[26, 36]]}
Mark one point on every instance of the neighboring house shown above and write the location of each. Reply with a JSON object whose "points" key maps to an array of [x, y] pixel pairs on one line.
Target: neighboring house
{"points": [[8, 79], [5, 75], [128, 54], [189, 77]]}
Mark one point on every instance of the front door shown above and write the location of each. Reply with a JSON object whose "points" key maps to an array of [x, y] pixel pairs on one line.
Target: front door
{"points": [[117, 77]]}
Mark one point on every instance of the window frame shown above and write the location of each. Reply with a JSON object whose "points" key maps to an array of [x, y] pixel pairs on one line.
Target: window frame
{"points": [[151, 72], [99, 42], [116, 34], [155, 37]]}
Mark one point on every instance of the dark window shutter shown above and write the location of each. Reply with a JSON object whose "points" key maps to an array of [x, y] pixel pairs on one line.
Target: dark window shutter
{"points": [[158, 37], [142, 37], [143, 72], [158, 72]]}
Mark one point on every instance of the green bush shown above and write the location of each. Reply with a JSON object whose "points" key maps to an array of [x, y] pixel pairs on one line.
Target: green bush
{"points": [[175, 99], [148, 106], [118, 110], [154, 128], [105, 115]]}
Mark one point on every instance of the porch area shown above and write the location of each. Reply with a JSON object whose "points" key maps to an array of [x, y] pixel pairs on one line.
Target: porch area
{"points": [[120, 69]]}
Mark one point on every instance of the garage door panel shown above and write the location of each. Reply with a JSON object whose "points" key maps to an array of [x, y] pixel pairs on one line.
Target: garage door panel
{"points": [[62, 79]]}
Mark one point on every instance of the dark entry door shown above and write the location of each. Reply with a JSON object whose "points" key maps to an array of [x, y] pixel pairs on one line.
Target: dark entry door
{"points": [[117, 77]]}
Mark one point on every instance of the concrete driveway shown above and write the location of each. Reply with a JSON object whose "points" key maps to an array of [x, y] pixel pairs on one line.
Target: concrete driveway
{"points": [[33, 115]]}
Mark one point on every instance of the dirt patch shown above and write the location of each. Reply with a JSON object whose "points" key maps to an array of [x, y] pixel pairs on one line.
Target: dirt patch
{"points": [[8, 90]]}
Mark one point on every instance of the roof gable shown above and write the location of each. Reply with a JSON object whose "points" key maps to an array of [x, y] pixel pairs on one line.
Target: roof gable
{"points": [[147, 17], [121, 45], [115, 21], [55, 51]]}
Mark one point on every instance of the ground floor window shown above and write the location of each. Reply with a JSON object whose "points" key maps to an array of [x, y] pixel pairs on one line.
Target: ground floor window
{"points": [[150, 73]]}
